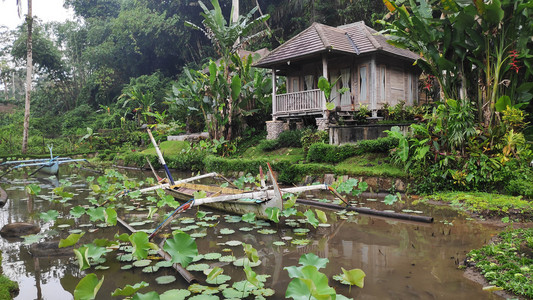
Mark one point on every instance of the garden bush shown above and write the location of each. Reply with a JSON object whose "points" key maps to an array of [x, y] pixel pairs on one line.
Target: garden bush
{"points": [[310, 137], [286, 139], [321, 152]]}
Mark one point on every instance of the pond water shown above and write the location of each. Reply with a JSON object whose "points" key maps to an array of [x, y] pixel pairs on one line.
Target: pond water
{"points": [[402, 260]]}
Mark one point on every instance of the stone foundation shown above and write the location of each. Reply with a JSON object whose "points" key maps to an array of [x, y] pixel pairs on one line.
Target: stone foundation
{"points": [[322, 124], [274, 128]]}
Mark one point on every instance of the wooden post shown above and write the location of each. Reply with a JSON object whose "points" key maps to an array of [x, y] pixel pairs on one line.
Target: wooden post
{"points": [[325, 74], [274, 105]]}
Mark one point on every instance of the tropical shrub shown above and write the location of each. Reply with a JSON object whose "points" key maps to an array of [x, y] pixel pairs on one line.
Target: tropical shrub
{"points": [[310, 137], [321, 152], [286, 139]]}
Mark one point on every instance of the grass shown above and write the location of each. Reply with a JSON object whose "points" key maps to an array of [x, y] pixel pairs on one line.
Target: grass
{"points": [[486, 203], [372, 164], [369, 165], [168, 148], [8, 288], [508, 262]]}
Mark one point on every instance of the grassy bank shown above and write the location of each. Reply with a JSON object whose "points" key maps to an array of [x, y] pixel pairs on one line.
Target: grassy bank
{"points": [[507, 263], [8, 288]]}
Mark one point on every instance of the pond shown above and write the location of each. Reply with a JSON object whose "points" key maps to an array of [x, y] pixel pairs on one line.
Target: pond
{"points": [[401, 259]]}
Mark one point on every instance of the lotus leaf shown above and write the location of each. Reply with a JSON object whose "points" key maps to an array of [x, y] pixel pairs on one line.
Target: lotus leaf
{"points": [[354, 277], [212, 256], [142, 263], [310, 283], [182, 248], [175, 294], [226, 231], [88, 287], [311, 259], [219, 279], [96, 214], [141, 245], [48, 216], [77, 211], [148, 296], [273, 214], [197, 267], [251, 252], [70, 240], [311, 218], [165, 279], [110, 216], [249, 217], [233, 243], [321, 215]]}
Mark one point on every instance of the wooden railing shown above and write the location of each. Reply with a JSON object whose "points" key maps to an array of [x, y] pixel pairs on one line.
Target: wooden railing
{"points": [[305, 101]]}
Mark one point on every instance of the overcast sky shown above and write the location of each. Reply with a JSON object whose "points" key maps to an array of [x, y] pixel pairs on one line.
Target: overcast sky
{"points": [[46, 10]]}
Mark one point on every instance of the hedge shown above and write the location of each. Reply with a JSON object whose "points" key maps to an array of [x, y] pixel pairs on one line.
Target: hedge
{"points": [[321, 152]]}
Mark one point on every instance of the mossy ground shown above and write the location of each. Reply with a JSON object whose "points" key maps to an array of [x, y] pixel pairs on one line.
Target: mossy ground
{"points": [[488, 205], [507, 262]]}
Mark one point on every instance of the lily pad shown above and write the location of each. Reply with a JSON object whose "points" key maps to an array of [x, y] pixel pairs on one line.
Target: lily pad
{"points": [[126, 267], [220, 279], [212, 256], [246, 229], [279, 243], [301, 242], [163, 264], [233, 243], [198, 235], [197, 267], [267, 231], [226, 231], [227, 258], [142, 263], [150, 269], [165, 279], [176, 294]]}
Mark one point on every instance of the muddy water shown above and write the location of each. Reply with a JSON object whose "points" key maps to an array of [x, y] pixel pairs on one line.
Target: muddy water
{"points": [[402, 260]]}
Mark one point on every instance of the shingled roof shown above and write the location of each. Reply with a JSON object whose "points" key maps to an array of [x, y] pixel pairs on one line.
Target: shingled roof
{"points": [[355, 38]]}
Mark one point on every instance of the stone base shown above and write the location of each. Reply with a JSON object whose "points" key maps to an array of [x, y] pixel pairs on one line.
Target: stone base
{"points": [[322, 124], [274, 128]]}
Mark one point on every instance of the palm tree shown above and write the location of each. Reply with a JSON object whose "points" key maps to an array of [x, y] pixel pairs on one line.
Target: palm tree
{"points": [[29, 72]]}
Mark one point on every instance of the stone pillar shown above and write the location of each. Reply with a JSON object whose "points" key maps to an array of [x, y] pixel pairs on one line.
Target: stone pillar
{"points": [[274, 128], [299, 125], [322, 124]]}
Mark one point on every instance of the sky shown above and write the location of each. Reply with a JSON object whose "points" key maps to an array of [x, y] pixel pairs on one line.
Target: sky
{"points": [[46, 10]]}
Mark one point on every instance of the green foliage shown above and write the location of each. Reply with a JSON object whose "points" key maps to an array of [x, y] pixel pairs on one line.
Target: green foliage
{"points": [[8, 288], [488, 204], [182, 248], [48, 216], [129, 290], [88, 287], [310, 137], [33, 189], [286, 139], [72, 239], [506, 263], [321, 152], [141, 245]]}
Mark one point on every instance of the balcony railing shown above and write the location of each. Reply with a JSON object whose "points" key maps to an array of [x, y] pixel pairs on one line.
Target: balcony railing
{"points": [[304, 102]]}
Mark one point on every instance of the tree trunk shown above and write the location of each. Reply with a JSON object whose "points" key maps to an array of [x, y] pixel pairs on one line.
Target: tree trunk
{"points": [[29, 72]]}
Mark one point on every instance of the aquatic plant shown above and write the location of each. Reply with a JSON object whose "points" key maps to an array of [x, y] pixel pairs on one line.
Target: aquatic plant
{"points": [[88, 287]]}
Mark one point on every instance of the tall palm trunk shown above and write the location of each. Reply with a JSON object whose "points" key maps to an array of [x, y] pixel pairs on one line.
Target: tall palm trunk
{"points": [[29, 72]]}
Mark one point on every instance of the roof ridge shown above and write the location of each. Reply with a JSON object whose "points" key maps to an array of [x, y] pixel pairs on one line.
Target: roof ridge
{"points": [[371, 38], [351, 24], [323, 38], [287, 42]]}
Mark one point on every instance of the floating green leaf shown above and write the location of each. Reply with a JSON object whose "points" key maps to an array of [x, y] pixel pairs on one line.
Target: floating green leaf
{"points": [[200, 214], [321, 216], [50, 215], [251, 276], [32, 239], [142, 263], [165, 279], [249, 217], [88, 287], [212, 256], [141, 245], [77, 211], [311, 218], [182, 248], [110, 216], [129, 290], [175, 295], [390, 199], [226, 231], [273, 214], [291, 211], [148, 296], [168, 200], [311, 259], [96, 213], [70, 240], [197, 267], [214, 273], [199, 194], [83, 259], [33, 189]]}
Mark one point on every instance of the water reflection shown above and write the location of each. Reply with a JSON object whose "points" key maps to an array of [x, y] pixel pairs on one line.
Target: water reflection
{"points": [[402, 260]]}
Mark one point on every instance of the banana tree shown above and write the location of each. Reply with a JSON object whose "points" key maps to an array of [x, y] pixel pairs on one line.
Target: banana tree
{"points": [[227, 77]]}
